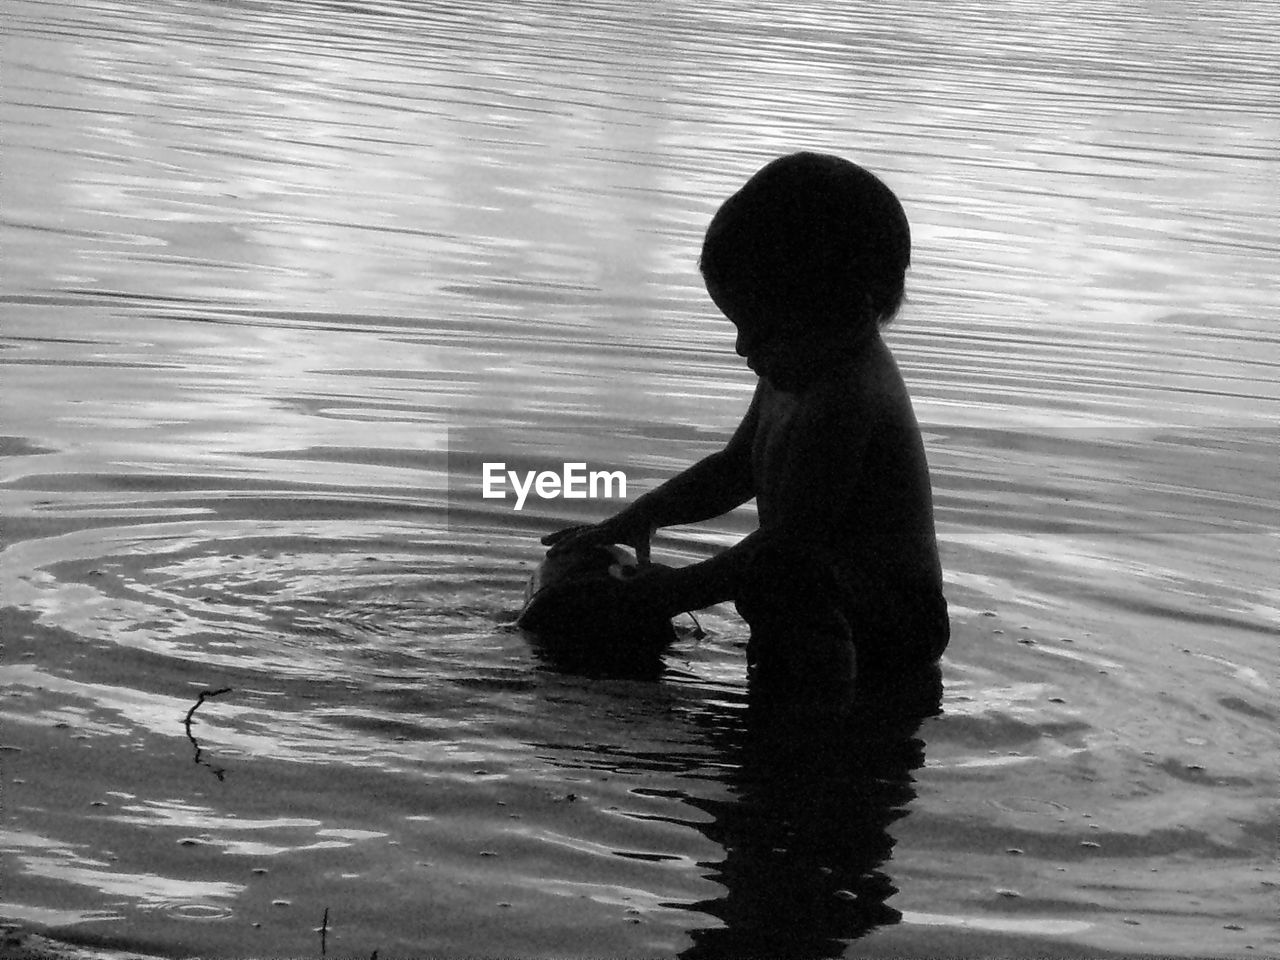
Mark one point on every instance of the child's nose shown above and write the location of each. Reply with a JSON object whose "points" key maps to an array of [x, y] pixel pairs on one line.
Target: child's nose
{"points": [[741, 344]]}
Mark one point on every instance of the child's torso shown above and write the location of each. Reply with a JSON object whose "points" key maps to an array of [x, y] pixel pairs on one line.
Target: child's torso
{"points": [[844, 464]]}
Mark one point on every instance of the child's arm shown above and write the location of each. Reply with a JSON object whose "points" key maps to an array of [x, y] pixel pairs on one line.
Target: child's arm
{"points": [[808, 513], [675, 590], [712, 486]]}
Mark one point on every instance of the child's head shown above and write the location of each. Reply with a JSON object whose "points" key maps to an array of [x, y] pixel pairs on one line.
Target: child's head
{"points": [[810, 241]]}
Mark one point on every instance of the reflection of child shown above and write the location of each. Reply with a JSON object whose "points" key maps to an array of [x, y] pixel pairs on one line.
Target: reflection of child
{"points": [[808, 261]]}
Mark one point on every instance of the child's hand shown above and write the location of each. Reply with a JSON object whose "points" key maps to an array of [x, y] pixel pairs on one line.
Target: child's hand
{"points": [[632, 534], [651, 589]]}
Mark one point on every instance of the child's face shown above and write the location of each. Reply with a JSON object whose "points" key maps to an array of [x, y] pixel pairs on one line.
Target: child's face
{"points": [[788, 358]]}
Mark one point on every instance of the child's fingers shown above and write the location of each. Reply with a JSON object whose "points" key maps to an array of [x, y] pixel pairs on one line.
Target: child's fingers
{"points": [[551, 539], [642, 549], [575, 537]]}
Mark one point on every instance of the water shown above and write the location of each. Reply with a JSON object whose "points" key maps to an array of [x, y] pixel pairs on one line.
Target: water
{"points": [[264, 263]]}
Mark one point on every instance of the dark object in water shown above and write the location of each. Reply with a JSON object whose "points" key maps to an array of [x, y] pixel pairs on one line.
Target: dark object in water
{"points": [[582, 616]]}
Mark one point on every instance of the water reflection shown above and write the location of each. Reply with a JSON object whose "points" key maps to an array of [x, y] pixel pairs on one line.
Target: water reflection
{"points": [[801, 810], [806, 832]]}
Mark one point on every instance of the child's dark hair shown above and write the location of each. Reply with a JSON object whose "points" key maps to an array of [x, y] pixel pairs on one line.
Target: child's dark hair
{"points": [[811, 238]]}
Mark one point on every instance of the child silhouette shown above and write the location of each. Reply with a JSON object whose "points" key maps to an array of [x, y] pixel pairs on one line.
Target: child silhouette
{"points": [[842, 578]]}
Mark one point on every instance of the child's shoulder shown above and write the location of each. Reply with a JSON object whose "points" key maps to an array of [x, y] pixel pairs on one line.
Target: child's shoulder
{"points": [[869, 398], [868, 378]]}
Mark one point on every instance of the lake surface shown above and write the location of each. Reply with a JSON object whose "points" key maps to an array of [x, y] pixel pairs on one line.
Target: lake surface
{"points": [[278, 277]]}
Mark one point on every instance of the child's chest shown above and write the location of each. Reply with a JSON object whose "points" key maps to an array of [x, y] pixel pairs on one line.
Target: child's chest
{"points": [[778, 439]]}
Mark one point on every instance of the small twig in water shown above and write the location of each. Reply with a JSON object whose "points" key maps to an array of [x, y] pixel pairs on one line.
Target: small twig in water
{"points": [[196, 706], [324, 931], [218, 772]]}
